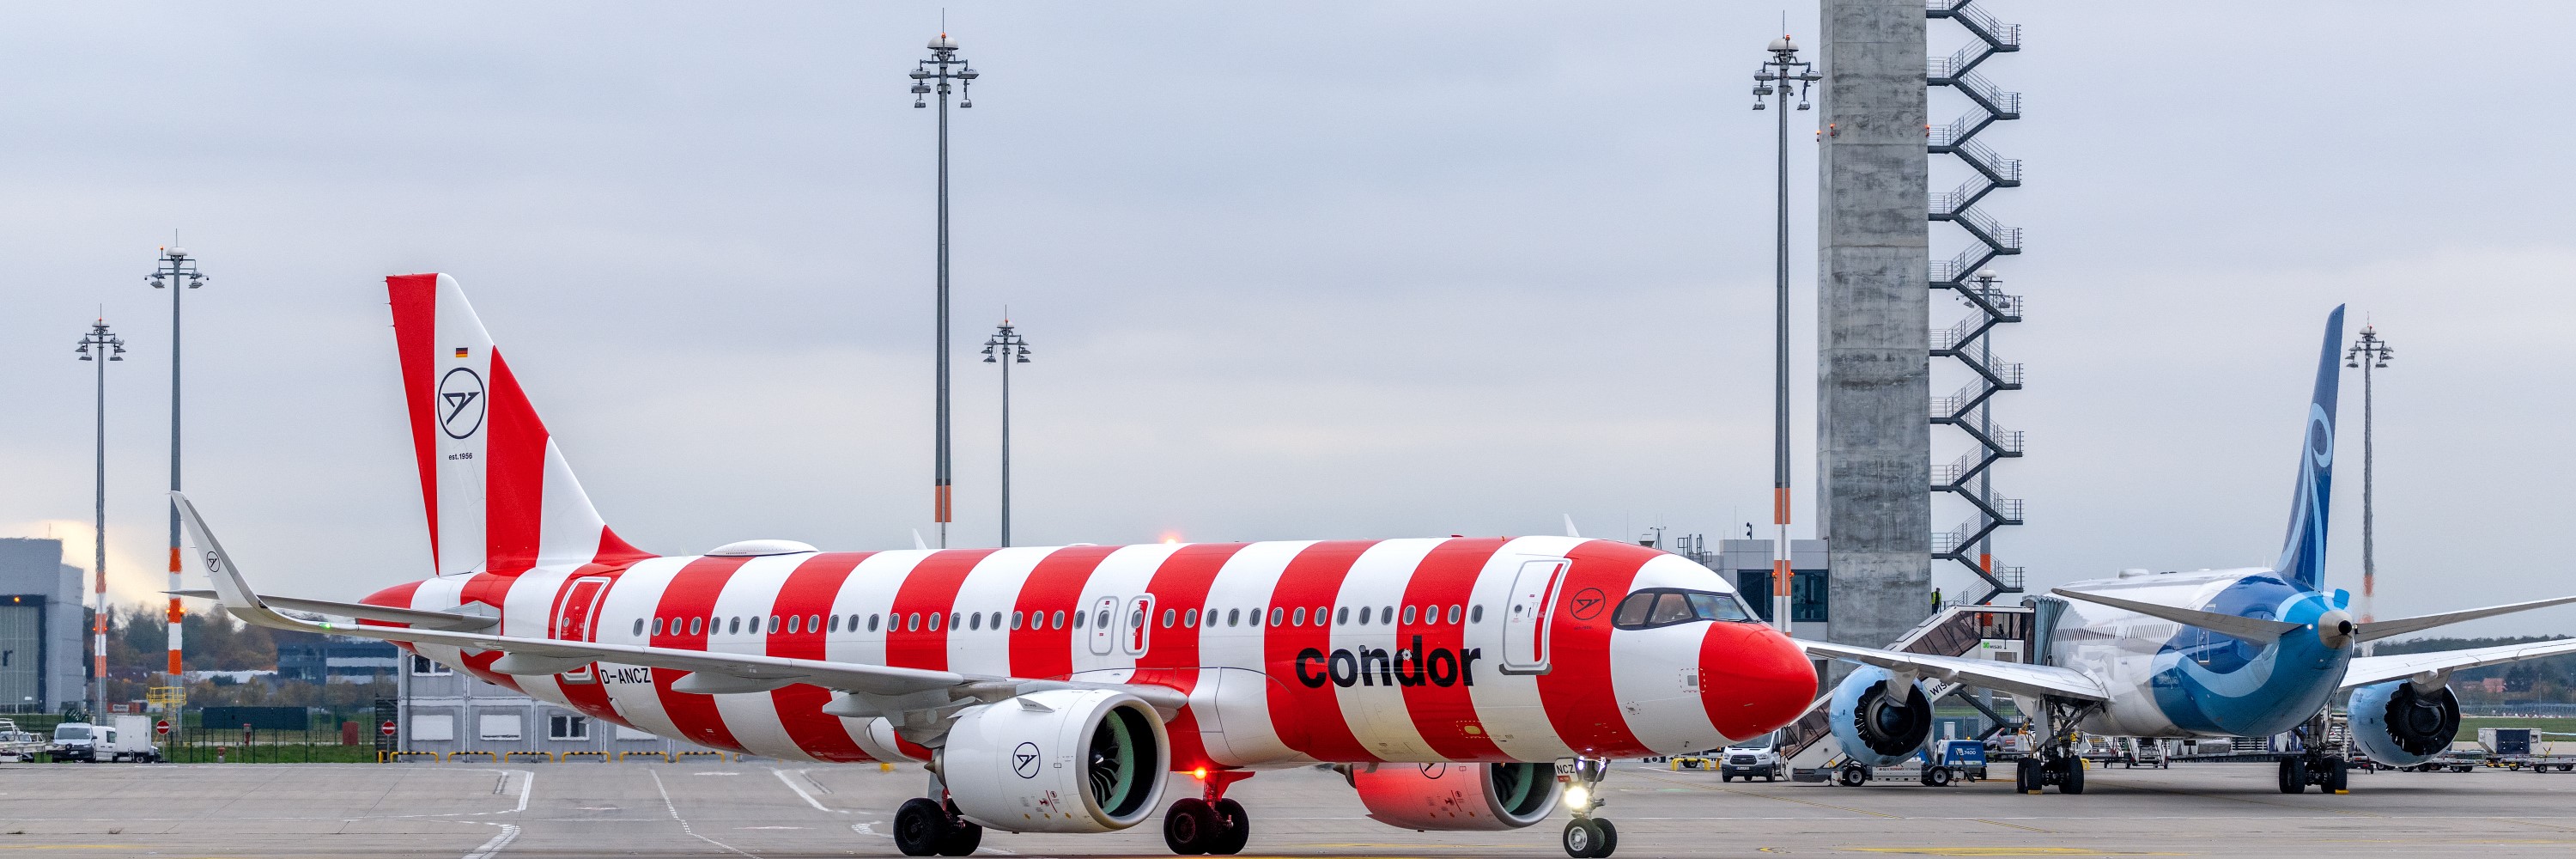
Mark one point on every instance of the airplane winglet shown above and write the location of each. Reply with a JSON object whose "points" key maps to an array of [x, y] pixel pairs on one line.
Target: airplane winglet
{"points": [[230, 588], [1569, 526], [917, 542], [2255, 630]]}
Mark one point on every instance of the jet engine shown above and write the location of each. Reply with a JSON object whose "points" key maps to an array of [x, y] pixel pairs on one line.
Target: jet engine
{"points": [[1454, 797], [1876, 724], [2399, 726], [1061, 760]]}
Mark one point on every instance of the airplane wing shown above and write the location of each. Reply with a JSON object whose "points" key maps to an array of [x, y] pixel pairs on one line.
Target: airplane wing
{"points": [[875, 690], [2048, 681], [2367, 670], [418, 619]]}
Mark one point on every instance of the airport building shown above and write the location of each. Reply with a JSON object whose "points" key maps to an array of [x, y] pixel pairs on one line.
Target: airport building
{"points": [[442, 710], [41, 615]]}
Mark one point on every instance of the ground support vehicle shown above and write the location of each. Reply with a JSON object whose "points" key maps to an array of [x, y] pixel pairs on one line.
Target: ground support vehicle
{"points": [[1759, 758], [16, 745], [129, 739], [1961, 761], [2455, 760]]}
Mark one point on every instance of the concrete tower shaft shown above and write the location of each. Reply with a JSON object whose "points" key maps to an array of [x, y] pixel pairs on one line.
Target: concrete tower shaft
{"points": [[1873, 360]]}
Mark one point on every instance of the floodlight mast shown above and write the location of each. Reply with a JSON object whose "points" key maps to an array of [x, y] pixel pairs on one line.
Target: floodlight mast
{"points": [[1773, 79], [943, 66], [178, 273], [1006, 348], [112, 348], [2368, 353]]}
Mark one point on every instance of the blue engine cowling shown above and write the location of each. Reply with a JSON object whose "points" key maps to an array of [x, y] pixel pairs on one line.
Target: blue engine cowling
{"points": [[1876, 726], [2401, 727]]}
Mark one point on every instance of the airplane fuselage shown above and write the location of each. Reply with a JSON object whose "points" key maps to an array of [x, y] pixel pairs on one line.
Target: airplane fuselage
{"points": [[1290, 653], [2172, 680]]}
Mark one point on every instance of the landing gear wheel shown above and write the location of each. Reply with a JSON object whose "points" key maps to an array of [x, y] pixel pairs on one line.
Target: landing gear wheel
{"points": [[1609, 838], [1582, 837], [2070, 775], [920, 826], [1234, 828], [1936, 777], [2026, 775], [1190, 826], [2294, 775], [2336, 777], [962, 839]]}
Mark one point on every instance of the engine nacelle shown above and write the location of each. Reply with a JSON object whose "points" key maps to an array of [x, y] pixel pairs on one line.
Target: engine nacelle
{"points": [[2401, 727], [1877, 725], [1454, 797], [1062, 760]]}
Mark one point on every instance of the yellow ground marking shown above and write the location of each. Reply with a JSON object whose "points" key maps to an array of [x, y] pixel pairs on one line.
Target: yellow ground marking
{"points": [[2012, 825]]}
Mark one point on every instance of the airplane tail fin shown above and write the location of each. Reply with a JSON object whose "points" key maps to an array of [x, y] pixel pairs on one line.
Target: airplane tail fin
{"points": [[2303, 551], [499, 495]]}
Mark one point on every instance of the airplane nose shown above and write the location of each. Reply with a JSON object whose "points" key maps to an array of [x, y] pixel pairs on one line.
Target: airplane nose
{"points": [[1752, 679]]}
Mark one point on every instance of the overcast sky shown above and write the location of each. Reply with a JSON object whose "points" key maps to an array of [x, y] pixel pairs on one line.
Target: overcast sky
{"points": [[1337, 271]]}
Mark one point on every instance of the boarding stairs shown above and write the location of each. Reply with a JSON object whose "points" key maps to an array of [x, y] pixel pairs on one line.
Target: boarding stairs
{"points": [[1956, 630]]}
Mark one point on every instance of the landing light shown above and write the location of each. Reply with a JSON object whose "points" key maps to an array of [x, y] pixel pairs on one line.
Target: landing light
{"points": [[1578, 798], [1200, 773]]}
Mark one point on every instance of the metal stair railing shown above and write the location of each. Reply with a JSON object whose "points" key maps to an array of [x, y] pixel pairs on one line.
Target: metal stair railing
{"points": [[1956, 630]]}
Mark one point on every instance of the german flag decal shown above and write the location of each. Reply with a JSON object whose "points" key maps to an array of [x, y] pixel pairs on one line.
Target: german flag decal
{"points": [[462, 351]]}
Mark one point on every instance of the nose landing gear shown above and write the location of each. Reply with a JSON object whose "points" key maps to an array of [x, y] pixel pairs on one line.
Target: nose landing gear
{"points": [[1587, 836]]}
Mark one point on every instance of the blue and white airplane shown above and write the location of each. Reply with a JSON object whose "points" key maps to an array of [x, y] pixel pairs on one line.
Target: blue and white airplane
{"points": [[2249, 652]]}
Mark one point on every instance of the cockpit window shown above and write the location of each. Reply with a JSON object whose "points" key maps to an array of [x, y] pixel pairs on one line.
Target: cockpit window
{"points": [[1654, 607]]}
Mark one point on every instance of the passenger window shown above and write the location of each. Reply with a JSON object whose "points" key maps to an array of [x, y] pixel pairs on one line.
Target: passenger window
{"points": [[1476, 614], [1189, 619], [793, 624], [1453, 614], [1298, 617], [872, 623], [1233, 615], [1408, 615], [1058, 623], [734, 626], [1364, 615], [1342, 617], [1077, 619], [975, 621], [1016, 617], [934, 622], [693, 626], [1277, 614], [657, 626], [836, 623]]}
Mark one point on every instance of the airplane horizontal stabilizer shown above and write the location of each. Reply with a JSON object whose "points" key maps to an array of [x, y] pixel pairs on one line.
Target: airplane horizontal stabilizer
{"points": [[2047, 681], [2379, 629], [450, 621], [2256, 630]]}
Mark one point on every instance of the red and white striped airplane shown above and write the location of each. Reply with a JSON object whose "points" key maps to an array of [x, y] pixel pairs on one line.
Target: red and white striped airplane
{"points": [[1460, 682]]}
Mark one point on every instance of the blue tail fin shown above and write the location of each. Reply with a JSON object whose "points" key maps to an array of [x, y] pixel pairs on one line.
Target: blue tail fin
{"points": [[2303, 552]]}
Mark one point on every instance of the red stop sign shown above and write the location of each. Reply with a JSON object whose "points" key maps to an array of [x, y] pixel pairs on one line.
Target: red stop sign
{"points": [[386, 729], [161, 727]]}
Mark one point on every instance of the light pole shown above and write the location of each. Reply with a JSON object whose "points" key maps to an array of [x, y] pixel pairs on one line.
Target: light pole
{"points": [[2367, 353], [1772, 80], [112, 348], [177, 273], [1013, 349], [943, 56]]}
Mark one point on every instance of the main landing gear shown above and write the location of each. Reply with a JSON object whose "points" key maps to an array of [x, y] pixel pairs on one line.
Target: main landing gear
{"points": [[1587, 836], [2056, 762], [2320, 767], [925, 827], [1211, 824]]}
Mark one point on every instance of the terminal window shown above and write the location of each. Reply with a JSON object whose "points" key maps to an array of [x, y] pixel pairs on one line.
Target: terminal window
{"points": [[1806, 594], [562, 727]]}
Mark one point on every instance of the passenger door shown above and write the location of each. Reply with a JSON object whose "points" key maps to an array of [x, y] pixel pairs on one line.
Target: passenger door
{"points": [[1526, 615], [575, 619], [1140, 625]]}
